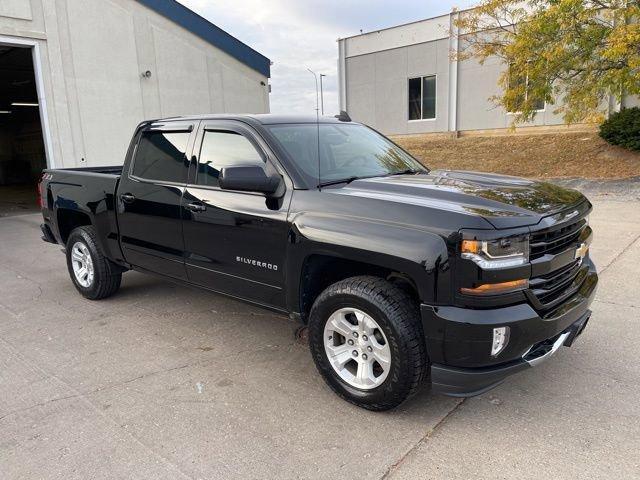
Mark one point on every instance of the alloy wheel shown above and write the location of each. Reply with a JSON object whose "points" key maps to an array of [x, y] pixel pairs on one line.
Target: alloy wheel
{"points": [[357, 348], [82, 264]]}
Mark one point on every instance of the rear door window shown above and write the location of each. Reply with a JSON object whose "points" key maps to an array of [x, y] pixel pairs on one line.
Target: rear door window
{"points": [[162, 156]]}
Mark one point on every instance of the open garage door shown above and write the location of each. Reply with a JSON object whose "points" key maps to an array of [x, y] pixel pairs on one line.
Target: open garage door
{"points": [[22, 150]]}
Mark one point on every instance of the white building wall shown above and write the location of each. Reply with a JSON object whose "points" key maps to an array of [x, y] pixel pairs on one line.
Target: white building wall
{"points": [[377, 86], [396, 37], [631, 101], [375, 68], [93, 54], [477, 84]]}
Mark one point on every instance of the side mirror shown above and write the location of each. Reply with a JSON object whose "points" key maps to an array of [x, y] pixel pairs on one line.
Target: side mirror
{"points": [[250, 178]]}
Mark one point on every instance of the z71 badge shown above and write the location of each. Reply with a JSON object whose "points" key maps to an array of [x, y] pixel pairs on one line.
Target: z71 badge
{"points": [[257, 263]]}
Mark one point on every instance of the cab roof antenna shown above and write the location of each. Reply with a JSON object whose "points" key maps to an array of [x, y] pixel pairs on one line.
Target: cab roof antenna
{"points": [[344, 116]]}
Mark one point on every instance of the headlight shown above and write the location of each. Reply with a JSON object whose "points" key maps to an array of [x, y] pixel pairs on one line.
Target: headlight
{"points": [[503, 253]]}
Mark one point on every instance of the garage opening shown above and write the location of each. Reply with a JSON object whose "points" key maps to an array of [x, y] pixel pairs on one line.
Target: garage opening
{"points": [[22, 151]]}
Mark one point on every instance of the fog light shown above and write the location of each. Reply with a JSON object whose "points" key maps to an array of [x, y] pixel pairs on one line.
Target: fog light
{"points": [[500, 340]]}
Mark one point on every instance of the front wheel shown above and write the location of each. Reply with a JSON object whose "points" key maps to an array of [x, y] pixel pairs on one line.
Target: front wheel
{"points": [[366, 340], [93, 275]]}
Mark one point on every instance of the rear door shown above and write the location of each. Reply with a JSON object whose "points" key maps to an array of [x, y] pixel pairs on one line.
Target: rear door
{"points": [[149, 198], [235, 242]]}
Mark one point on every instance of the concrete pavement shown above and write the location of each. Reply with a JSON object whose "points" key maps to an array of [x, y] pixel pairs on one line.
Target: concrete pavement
{"points": [[162, 381]]}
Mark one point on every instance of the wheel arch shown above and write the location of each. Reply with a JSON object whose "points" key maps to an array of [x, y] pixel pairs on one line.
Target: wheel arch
{"points": [[70, 219], [324, 249], [319, 270]]}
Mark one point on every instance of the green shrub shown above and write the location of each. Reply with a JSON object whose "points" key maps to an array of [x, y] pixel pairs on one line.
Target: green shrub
{"points": [[623, 128]]}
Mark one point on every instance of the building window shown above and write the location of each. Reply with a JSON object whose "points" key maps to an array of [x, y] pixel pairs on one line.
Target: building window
{"points": [[522, 82], [422, 98]]}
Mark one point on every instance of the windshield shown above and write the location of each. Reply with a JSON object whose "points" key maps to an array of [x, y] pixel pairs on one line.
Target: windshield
{"points": [[347, 151]]}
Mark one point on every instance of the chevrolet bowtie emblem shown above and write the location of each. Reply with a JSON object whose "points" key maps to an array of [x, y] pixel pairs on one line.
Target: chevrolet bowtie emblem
{"points": [[581, 251]]}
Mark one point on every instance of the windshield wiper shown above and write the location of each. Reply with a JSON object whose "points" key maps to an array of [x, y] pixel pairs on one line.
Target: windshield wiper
{"points": [[336, 182], [408, 171], [348, 180]]}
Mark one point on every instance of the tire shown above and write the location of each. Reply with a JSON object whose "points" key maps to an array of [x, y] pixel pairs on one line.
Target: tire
{"points": [[106, 276], [397, 316]]}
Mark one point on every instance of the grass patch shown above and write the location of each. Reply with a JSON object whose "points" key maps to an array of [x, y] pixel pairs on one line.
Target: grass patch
{"points": [[553, 155]]}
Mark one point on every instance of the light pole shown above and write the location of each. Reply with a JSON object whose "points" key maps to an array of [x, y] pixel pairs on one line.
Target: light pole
{"points": [[321, 95], [316, 77]]}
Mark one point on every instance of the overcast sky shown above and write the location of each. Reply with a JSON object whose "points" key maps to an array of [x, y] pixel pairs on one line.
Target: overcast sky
{"points": [[301, 34]]}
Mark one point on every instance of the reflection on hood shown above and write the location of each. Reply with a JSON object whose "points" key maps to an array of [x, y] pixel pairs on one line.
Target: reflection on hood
{"points": [[502, 200]]}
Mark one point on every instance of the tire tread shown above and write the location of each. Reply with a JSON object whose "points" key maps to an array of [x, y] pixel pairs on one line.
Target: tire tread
{"points": [[108, 276], [402, 309]]}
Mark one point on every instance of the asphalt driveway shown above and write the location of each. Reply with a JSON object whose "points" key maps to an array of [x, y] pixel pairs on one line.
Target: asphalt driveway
{"points": [[161, 381]]}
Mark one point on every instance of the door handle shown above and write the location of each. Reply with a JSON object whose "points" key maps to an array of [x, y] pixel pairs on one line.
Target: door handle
{"points": [[127, 197], [197, 207]]}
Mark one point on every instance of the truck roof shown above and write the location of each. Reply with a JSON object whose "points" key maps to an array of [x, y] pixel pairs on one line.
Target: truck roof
{"points": [[263, 118]]}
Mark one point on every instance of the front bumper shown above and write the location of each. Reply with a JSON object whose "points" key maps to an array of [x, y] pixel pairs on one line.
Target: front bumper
{"points": [[467, 382], [459, 340]]}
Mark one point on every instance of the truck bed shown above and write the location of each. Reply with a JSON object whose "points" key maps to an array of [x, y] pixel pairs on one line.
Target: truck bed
{"points": [[86, 195]]}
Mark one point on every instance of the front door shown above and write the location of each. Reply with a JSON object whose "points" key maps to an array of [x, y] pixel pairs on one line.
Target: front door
{"points": [[235, 242], [149, 197]]}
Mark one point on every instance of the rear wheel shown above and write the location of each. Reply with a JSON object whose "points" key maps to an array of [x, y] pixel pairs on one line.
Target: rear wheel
{"points": [[366, 340], [93, 275]]}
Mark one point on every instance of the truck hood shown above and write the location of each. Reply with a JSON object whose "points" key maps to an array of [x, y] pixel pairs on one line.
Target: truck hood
{"points": [[503, 201]]}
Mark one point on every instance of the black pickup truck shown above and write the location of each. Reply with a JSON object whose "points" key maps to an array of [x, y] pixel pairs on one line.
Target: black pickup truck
{"points": [[402, 274]]}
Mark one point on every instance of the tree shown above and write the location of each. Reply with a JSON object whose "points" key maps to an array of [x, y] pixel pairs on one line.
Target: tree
{"points": [[580, 52]]}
